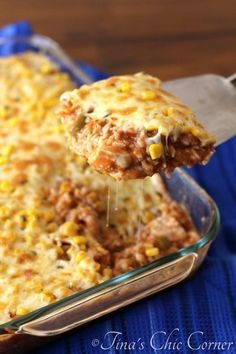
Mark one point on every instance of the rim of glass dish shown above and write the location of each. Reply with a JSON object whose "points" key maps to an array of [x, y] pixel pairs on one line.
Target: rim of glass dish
{"points": [[70, 300]]}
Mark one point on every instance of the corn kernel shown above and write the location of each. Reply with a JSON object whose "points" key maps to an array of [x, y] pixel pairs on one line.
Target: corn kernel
{"points": [[47, 296], [3, 305], [12, 311], [148, 95], [31, 224], [147, 217], [69, 228], [31, 213], [100, 249], [12, 122], [46, 69], [163, 129], [125, 87], [193, 130], [52, 227], [60, 251], [58, 128], [152, 125], [155, 151], [48, 215], [20, 311], [198, 132], [79, 256], [50, 102], [70, 251], [167, 111], [8, 224], [35, 284], [91, 277], [65, 187], [29, 106], [97, 266], [152, 252], [15, 288], [28, 239], [81, 272], [2, 112], [63, 291], [10, 235], [78, 240], [86, 262], [3, 267], [7, 150], [5, 212], [3, 160], [5, 186]]}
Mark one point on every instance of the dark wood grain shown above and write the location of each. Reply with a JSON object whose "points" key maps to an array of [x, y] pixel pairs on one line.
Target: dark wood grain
{"points": [[168, 38]]}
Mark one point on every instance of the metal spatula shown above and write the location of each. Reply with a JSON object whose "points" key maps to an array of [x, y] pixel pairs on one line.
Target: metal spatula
{"points": [[213, 100], [211, 97]]}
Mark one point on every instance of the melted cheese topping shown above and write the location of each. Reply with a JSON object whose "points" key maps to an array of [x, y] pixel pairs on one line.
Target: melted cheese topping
{"points": [[33, 157], [135, 101]]}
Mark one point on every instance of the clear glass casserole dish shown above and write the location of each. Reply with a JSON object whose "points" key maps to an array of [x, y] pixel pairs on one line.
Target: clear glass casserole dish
{"points": [[86, 305]]}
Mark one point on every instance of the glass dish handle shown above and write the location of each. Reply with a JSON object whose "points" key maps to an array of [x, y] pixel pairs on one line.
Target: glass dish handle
{"points": [[113, 297], [232, 79]]}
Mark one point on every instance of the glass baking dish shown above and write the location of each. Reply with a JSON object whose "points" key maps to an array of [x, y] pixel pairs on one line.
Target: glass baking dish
{"points": [[92, 303]]}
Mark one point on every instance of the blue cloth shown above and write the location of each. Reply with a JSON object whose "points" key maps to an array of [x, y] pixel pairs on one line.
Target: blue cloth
{"points": [[206, 302], [20, 28]]}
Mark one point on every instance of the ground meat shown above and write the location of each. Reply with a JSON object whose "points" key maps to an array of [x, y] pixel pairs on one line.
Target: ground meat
{"points": [[123, 154], [167, 233], [76, 203], [168, 230]]}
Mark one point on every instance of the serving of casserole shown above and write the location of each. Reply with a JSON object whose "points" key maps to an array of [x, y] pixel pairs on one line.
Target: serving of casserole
{"points": [[129, 127], [69, 234]]}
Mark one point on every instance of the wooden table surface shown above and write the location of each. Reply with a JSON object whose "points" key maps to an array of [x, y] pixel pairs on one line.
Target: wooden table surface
{"points": [[168, 38]]}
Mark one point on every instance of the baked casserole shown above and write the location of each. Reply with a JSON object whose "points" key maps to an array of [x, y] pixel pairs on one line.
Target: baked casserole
{"points": [[128, 127], [64, 227]]}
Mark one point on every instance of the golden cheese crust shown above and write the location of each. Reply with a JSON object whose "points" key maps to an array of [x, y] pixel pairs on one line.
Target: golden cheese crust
{"points": [[54, 238], [128, 127]]}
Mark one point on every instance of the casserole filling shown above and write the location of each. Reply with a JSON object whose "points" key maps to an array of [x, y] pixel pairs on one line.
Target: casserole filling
{"points": [[128, 127], [64, 227]]}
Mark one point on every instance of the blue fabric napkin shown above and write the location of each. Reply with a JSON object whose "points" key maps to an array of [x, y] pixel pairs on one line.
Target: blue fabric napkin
{"points": [[193, 314]]}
